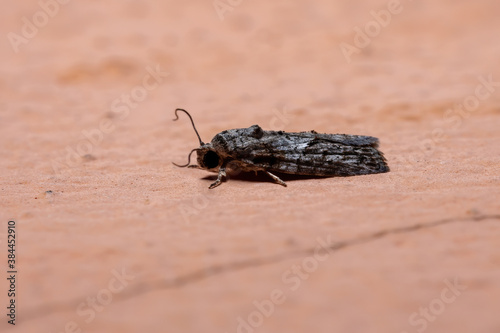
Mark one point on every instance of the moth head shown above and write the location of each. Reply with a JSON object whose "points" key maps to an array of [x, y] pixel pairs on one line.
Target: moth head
{"points": [[206, 156]]}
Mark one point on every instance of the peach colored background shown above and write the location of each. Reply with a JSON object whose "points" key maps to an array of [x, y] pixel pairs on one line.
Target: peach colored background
{"points": [[200, 258]]}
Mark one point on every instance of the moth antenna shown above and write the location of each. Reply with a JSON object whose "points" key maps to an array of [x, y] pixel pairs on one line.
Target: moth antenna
{"points": [[189, 160], [192, 122]]}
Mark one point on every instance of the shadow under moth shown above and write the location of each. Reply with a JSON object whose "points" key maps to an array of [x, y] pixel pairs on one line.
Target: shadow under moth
{"points": [[297, 153]]}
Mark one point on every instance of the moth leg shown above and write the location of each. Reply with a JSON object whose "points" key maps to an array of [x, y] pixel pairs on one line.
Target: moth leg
{"points": [[276, 178], [194, 166], [222, 173]]}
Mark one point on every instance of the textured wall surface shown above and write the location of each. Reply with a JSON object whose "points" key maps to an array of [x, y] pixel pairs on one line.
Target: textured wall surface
{"points": [[111, 237]]}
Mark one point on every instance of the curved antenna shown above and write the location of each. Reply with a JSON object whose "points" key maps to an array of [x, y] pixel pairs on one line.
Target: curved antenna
{"points": [[189, 160], [192, 122]]}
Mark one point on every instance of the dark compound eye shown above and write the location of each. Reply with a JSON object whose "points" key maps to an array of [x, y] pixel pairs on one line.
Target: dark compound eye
{"points": [[211, 159]]}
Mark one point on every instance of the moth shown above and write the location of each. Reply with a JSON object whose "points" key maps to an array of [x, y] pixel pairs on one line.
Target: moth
{"points": [[297, 153]]}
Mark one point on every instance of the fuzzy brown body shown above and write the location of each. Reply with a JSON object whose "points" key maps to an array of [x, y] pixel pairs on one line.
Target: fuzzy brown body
{"points": [[299, 153]]}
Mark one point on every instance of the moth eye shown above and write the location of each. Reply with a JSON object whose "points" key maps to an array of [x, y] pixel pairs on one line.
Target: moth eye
{"points": [[211, 159]]}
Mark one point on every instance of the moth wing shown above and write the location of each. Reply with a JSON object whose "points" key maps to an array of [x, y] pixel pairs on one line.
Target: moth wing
{"points": [[305, 153]]}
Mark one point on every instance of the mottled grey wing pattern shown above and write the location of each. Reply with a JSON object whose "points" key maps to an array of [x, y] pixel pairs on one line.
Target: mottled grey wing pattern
{"points": [[302, 153]]}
